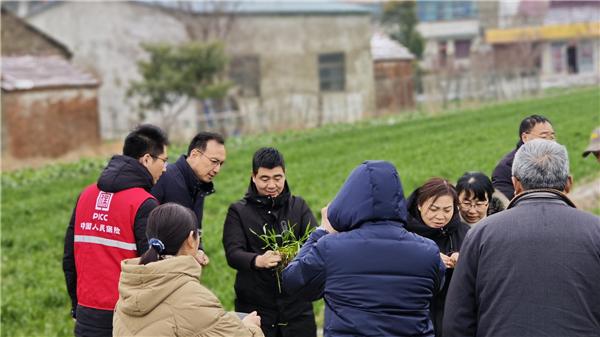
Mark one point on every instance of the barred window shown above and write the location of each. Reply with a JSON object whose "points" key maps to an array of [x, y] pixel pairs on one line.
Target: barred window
{"points": [[332, 72]]}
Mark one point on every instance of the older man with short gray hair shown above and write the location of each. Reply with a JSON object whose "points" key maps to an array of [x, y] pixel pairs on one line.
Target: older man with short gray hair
{"points": [[533, 269]]}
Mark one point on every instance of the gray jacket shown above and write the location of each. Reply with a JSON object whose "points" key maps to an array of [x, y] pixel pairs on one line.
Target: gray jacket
{"points": [[531, 270]]}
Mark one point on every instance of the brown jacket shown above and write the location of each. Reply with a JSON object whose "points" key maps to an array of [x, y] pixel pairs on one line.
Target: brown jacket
{"points": [[165, 298]]}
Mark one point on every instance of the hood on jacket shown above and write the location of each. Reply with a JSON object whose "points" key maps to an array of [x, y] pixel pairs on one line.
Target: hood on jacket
{"points": [[124, 172], [416, 224], [372, 192], [143, 287]]}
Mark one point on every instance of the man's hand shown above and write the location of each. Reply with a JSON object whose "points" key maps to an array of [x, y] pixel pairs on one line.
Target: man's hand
{"points": [[447, 260], [454, 258], [202, 258], [325, 221], [269, 259], [252, 319]]}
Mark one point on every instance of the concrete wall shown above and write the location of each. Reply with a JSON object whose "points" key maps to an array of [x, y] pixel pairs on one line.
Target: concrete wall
{"points": [[48, 123], [19, 39], [288, 48], [105, 39]]}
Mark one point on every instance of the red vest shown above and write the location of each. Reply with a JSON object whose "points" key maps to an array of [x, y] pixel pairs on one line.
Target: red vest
{"points": [[104, 236]]}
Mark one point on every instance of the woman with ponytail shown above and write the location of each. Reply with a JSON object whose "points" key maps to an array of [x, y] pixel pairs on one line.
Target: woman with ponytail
{"points": [[160, 293]]}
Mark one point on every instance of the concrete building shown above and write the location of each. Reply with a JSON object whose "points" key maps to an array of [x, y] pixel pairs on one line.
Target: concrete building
{"points": [[296, 64], [49, 107], [564, 42], [451, 30]]}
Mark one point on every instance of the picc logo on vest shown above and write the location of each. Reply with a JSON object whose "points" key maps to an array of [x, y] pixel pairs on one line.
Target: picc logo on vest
{"points": [[103, 201]]}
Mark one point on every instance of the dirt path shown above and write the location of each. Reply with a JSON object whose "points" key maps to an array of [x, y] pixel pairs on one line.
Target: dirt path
{"points": [[587, 195]]}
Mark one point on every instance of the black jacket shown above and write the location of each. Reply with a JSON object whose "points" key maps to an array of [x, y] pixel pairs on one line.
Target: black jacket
{"points": [[256, 289], [181, 185], [449, 240], [501, 177], [530, 270], [121, 173]]}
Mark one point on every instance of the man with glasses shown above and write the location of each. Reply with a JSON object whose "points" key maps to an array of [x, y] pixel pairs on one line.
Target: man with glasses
{"points": [[190, 179], [532, 127], [108, 225]]}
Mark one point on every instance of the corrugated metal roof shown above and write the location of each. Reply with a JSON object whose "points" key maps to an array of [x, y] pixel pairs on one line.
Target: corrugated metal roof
{"points": [[286, 7], [384, 48], [35, 72]]}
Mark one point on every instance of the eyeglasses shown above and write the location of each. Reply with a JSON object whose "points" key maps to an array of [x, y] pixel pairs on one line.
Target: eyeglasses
{"points": [[165, 160], [213, 161], [479, 205]]}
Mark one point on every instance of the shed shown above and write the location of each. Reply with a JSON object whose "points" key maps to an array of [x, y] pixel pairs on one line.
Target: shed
{"points": [[49, 107], [394, 81]]}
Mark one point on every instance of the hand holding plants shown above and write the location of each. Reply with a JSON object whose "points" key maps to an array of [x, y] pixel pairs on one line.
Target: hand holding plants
{"points": [[269, 259]]}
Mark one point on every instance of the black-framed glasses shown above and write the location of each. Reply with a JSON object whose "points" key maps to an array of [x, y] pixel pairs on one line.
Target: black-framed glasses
{"points": [[165, 160], [213, 161]]}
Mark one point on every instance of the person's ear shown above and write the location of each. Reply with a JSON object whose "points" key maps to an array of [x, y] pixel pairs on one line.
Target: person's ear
{"points": [[145, 160], [517, 185], [569, 184], [524, 137], [191, 241]]}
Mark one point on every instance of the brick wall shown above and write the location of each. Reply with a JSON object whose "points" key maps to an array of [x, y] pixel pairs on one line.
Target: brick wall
{"points": [[49, 123]]}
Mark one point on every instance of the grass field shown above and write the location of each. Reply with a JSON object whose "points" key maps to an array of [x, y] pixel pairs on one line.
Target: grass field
{"points": [[36, 204]]}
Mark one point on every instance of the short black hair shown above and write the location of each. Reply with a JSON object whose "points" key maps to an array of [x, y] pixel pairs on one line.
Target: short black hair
{"points": [[199, 141], [529, 123], [267, 157], [475, 184], [145, 138]]}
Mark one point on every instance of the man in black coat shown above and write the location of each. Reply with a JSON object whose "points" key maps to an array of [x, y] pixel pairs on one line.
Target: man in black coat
{"points": [[108, 224], [268, 205], [532, 127], [531, 270], [189, 180]]}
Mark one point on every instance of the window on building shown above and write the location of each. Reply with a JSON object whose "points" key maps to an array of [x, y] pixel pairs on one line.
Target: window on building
{"points": [[462, 49], [586, 56], [244, 71], [332, 72], [557, 57]]}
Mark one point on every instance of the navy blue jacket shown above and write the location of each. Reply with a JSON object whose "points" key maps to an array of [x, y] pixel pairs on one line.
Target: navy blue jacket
{"points": [[180, 185], [502, 175], [376, 278]]}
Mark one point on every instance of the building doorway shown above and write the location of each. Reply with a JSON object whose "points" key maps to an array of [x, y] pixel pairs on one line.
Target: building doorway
{"points": [[572, 60]]}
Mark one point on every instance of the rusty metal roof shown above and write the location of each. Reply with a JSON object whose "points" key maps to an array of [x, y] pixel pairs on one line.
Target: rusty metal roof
{"points": [[384, 48], [37, 72]]}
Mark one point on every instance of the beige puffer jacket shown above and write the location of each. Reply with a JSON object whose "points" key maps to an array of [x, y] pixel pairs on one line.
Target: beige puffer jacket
{"points": [[165, 298]]}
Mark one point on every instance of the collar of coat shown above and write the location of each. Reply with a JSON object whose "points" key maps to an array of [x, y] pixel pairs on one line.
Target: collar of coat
{"points": [[266, 201], [541, 193], [192, 182]]}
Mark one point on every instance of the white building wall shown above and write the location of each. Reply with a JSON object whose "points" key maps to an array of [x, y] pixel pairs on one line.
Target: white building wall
{"points": [[105, 38]]}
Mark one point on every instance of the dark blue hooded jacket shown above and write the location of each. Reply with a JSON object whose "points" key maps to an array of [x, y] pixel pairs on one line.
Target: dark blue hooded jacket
{"points": [[376, 278]]}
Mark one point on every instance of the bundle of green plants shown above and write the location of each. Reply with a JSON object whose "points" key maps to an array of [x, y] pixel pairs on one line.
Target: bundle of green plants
{"points": [[286, 244]]}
